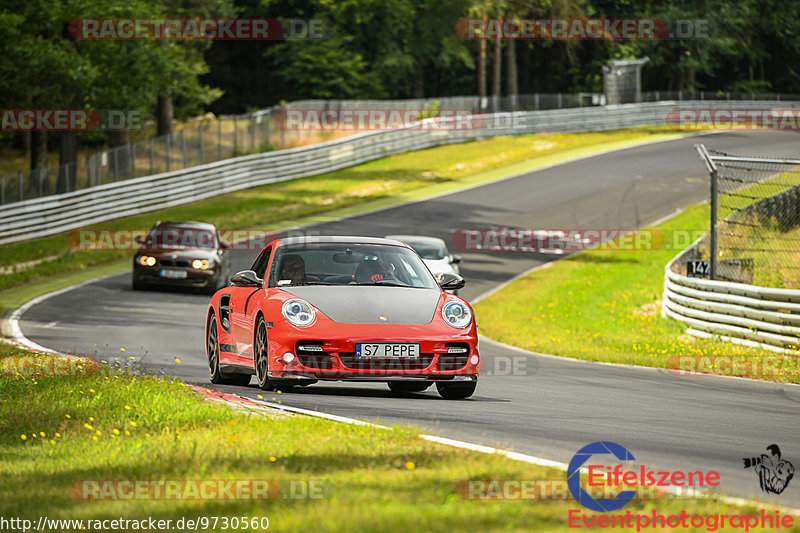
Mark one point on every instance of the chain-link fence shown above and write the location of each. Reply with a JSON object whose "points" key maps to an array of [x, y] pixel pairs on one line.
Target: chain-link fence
{"points": [[755, 220], [215, 139]]}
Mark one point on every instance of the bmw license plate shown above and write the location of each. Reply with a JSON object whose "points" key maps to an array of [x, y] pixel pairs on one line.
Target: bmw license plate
{"points": [[173, 274], [392, 349]]}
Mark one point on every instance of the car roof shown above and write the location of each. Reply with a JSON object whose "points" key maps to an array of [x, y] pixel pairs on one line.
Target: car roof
{"points": [[185, 224], [416, 238], [329, 239]]}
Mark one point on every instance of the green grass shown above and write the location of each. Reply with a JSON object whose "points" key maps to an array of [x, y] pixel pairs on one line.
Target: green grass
{"points": [[116, 425], [375, 184], [604, 305]]}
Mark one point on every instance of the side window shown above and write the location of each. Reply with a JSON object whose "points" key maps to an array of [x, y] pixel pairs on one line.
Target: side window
{"points": [[260, 266]]}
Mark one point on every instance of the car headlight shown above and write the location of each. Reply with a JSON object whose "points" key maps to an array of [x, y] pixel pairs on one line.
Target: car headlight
{"points": [[457, 314], [298, 312], [200, 264], [146, 260]]}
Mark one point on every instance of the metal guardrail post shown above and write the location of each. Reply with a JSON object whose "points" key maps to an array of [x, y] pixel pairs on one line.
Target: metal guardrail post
{"points": [[20, 185], [133, 159], [2, 189], [66, 178], [151, 158], [252, 133], [219, 140], [168, 150], [41, 181], [712, 234]]}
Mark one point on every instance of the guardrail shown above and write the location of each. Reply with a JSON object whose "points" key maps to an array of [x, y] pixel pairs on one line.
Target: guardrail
{"points": [[747, 314], [54, 214]]}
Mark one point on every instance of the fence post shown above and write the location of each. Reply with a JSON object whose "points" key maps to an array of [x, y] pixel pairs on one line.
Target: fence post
{"points": [[168, 150], [219, 139], [235, 134], [133, 159], [183, 147], [152, 167], [116, 164], [20, 185], [42, 170], [200, 132], [712, 234], [3, 189], [66, 178], [252, 133]]}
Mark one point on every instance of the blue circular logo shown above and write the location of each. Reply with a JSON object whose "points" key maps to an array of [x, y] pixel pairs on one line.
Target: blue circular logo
{"points": [[574, 476]]}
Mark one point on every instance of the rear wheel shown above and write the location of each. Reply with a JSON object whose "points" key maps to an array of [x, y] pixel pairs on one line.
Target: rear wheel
{"points": [[215, 375], [402, 387], [456, 391]]}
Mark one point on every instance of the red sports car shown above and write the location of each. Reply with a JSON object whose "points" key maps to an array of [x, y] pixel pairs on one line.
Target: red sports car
{"points": [[343, 309]]}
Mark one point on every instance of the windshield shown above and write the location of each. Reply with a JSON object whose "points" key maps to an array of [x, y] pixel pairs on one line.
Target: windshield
{"points": [[180, 237], [429, 250], [349, 264]]}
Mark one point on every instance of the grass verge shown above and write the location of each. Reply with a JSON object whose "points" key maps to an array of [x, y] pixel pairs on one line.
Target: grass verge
{"points": [[604, 305], [345, 192], [120, 425]]}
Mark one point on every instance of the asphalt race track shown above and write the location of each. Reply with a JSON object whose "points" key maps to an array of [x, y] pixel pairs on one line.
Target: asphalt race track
{"points": [[554, 406]]}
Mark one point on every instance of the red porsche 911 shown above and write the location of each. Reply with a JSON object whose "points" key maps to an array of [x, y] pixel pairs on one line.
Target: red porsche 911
{"points": [[343, 309]]}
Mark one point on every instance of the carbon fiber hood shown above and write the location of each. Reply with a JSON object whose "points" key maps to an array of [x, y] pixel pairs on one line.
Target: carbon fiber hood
{"points": [[350, 304]]}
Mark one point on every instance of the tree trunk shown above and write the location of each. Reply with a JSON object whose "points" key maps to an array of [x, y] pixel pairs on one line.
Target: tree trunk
{"points": [[419, 82], [67, 161], [512, 83], [38, 159], [496, 74], [119, 156], [482, 68], [164, 113]]}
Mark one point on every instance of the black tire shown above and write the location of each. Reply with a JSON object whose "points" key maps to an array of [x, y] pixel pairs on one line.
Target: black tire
{"points": [[405, 387], [456, 391], [215, 375], [261, 355]]}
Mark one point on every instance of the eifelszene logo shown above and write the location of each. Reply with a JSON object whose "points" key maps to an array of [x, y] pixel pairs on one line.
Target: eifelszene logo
{"points": [[774, 473], [599, 475]]}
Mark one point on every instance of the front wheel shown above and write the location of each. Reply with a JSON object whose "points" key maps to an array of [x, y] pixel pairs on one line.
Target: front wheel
{"points": [[402, 387], [456, 391], [262, 355]]}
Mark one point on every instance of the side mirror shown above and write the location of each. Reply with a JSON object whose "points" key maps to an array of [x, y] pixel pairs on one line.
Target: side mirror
{"points": [[455, 259], [246, 278], [139, 239], [224, 245], [450, 282]]}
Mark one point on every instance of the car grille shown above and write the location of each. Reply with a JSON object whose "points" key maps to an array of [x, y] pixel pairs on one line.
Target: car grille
{"points": [[454, 361], [350, 361], [173, 262]]}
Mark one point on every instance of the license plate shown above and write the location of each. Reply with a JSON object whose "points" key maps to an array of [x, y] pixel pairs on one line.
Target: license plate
{"points": [[173, 274], [393, 349]]}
